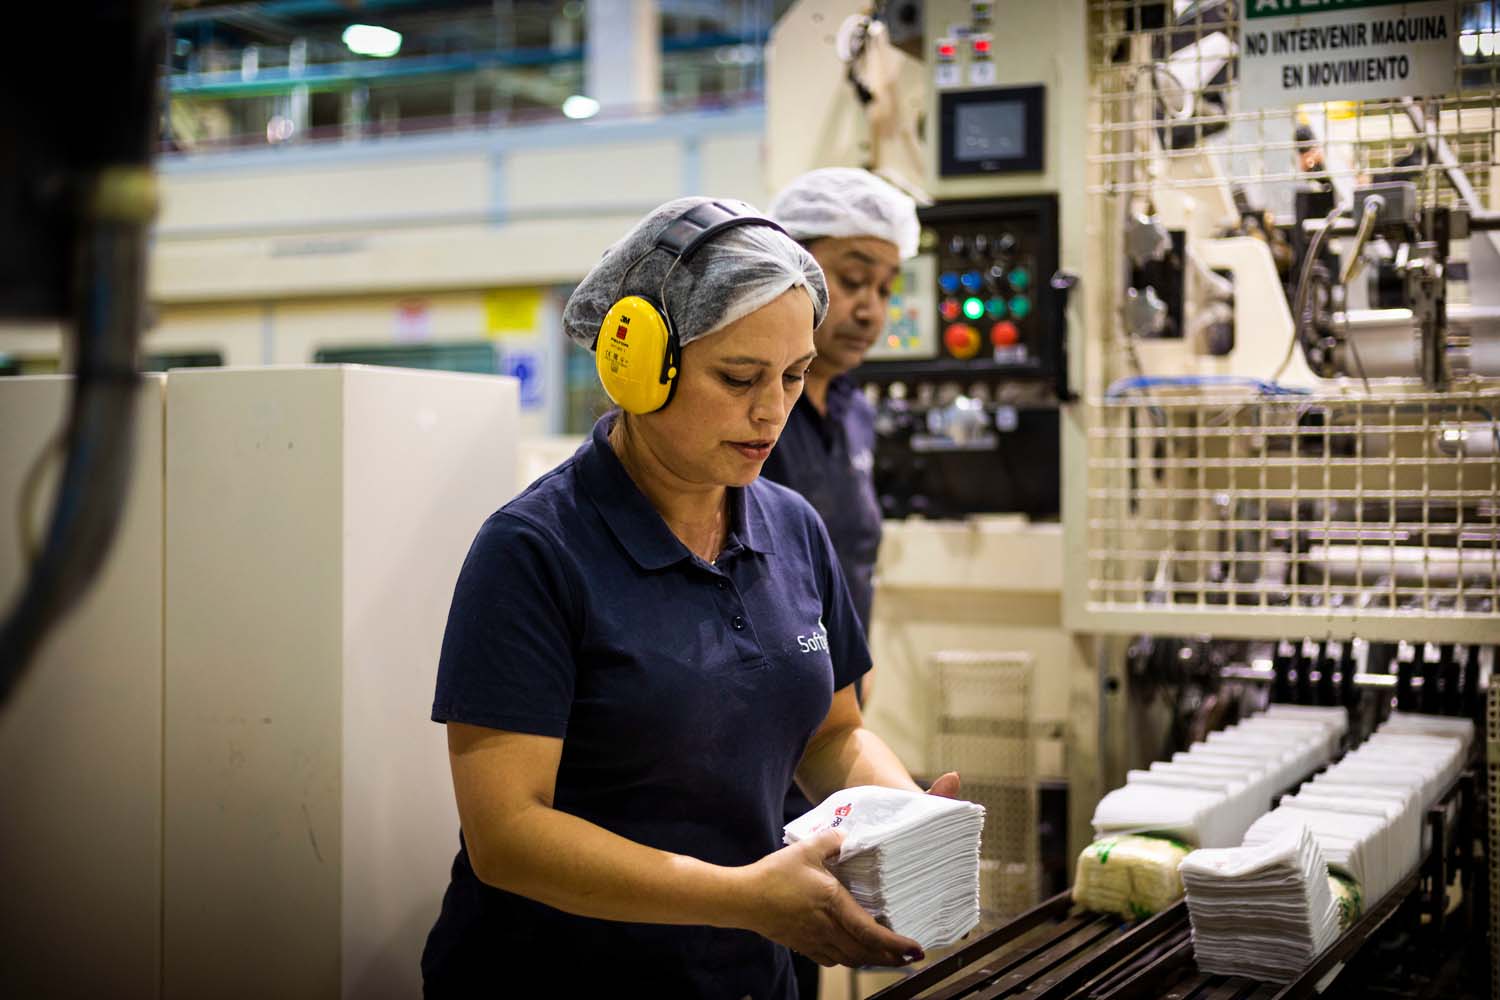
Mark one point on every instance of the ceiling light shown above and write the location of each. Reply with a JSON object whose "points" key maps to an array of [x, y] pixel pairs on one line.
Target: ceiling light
{"points": [[372, 40], [579, 106]]}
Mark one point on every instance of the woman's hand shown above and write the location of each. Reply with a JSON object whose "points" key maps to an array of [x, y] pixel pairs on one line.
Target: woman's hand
{"points": [[946, 786], [795, 901]]}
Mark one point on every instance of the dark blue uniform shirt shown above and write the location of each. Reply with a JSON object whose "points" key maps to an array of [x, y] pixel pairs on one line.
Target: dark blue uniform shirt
{"points": [[830, 461], [684, 694]]}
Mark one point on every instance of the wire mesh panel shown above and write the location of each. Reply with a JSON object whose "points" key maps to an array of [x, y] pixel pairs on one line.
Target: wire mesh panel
{"points": [[1328, 504], [983, 731], [1331, 496], [1166, 82]]}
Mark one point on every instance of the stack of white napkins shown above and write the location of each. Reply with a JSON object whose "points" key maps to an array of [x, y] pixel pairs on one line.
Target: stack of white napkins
{"points": [[1264, 911], [911, 860], [1366, 810], [1410, 723], [1337, 718], [1209, 796]]}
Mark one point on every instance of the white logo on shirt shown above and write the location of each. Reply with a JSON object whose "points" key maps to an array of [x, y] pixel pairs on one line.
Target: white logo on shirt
{"points": [[862, 461], [817, 641]]}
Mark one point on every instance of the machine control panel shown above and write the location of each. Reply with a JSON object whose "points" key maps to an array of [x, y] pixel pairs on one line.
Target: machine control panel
{"points": [[966, 384], [993, 260]]}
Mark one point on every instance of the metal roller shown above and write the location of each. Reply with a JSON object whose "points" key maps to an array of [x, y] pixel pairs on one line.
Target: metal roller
{"points": [[1471, 439], [1386, 343], [1408, 564]]}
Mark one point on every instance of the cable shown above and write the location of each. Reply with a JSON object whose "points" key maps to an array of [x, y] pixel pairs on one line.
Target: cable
{"points": [[1373, 206], [1304, 281], [1137, 383], [99, 433], [30, 487], [109, 202]]}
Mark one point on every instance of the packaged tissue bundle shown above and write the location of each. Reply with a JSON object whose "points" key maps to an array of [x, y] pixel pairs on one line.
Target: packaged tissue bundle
{"points": [[1133, 875], [1346, 899]]}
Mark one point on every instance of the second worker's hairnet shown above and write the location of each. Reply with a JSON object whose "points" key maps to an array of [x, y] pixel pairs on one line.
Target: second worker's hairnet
{"points": [[846, 202], [729, 277]]}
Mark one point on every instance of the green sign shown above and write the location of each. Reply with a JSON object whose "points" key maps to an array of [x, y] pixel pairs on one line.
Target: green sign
{"points": [[1284, 8]]}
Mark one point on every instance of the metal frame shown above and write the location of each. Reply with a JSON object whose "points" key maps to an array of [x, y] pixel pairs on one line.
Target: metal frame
{"points": [[1056, 952]]}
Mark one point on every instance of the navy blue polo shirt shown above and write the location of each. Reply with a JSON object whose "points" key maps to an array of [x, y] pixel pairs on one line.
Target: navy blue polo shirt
{"points": [[830, 461], [684, 694]]}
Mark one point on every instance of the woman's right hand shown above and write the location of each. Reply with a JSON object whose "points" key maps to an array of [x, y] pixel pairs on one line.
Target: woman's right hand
{"points": [[795, 901]]}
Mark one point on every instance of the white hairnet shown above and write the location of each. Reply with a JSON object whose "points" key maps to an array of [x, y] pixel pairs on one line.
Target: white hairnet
{"points": [[730, 276], [845, 201]]}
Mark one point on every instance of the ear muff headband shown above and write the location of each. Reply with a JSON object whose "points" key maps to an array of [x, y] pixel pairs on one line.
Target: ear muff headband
{"points": [[636, 351]]}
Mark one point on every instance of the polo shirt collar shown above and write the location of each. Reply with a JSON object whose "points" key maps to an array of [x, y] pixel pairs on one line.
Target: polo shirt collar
{"points": [[637, 525]]}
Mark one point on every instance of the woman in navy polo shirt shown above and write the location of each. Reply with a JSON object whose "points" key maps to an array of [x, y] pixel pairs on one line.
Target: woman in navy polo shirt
{"points": [[643, 649]]}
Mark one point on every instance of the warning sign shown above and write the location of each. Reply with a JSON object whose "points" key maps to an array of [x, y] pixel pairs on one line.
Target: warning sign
{"points": [[1306, 51]]}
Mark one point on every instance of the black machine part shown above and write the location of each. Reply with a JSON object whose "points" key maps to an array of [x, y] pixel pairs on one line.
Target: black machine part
{"points": [[76, 202]]}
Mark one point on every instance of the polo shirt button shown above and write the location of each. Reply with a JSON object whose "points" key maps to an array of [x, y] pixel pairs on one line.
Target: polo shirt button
{"points": [[721, 583], [738, 624]]}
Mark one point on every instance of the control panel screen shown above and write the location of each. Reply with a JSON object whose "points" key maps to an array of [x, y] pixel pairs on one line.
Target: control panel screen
{"points": [[997, 130], [990, 130]]}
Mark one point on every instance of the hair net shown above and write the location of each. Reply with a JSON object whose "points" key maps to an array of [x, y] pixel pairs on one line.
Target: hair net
{"points": [[730, 276], [844, 201]]}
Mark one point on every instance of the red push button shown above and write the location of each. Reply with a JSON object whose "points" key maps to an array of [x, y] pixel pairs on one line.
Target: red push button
{"points": [[962, 341], [949, 309], [1004, 333]]}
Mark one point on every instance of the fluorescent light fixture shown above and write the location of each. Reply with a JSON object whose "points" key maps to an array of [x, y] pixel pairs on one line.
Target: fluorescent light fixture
{"points": [[1468, 43], [579, 106], [1487, 43], [372, 40]]}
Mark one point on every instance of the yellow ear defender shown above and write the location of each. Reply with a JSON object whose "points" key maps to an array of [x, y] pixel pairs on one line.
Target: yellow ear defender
{"points": [[636, 355], [636, 351]]}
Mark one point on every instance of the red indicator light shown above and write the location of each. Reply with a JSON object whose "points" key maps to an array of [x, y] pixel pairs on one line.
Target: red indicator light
{"points": [[947, 50], [1004, 334], [982, 46]]}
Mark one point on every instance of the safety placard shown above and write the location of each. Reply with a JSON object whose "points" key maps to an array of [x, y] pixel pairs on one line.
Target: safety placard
{"points": [[1306, 51]]}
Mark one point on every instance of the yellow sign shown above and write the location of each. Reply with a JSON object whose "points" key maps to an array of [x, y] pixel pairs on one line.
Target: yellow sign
{"points": [[510, 312]]}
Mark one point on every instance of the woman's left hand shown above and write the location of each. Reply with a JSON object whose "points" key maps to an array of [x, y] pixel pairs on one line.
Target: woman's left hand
{"points": [[946, 786]]}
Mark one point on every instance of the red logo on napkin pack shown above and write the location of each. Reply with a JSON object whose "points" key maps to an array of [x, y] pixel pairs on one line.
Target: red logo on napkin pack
{"points": [[839, 814]]}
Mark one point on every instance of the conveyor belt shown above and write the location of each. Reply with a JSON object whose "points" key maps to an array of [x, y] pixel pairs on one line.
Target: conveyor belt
{"points": [[1056, 951]]}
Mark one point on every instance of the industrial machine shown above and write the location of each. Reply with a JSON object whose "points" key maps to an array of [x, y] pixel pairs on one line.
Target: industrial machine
{"points": [[1277, 403]]}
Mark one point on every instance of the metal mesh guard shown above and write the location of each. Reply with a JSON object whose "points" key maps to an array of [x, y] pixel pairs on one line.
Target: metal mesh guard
{"points": [[1249, 518], [1342, 506], [983, 732]]}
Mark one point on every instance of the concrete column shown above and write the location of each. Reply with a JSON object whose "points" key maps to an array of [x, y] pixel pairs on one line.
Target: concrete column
{"points": [[622, 61]]}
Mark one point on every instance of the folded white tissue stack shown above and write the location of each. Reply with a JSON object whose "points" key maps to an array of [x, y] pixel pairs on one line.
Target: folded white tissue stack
{"points": [[911, 860], [1263, 912], [1366, 810], [1209, 796]]}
